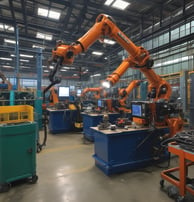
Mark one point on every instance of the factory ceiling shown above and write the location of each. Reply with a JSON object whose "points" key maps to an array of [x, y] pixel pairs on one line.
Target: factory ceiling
{"points": [[42, 23]]}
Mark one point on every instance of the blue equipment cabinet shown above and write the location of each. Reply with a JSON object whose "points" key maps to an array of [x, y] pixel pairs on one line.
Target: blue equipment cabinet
{"points": [[61, 120], [123, 150], [92, 120]]}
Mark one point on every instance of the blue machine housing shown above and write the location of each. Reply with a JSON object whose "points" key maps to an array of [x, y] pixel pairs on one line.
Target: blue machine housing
{"points": [[61, 121], [131, 149]]}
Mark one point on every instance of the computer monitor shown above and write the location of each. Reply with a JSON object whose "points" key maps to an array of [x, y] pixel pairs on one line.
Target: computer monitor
{"points": [[140, 109], [100, 103], [136, 110], [63, 92], [79, 91]]}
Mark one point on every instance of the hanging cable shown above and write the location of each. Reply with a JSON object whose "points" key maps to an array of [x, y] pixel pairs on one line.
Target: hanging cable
{"points": [[54, 80]]}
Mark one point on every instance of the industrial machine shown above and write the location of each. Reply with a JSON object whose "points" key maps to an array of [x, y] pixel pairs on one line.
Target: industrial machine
{"points": [[154, 119], [139, 58]]}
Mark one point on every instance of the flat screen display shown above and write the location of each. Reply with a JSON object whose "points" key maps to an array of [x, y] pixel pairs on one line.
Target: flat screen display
{"points": [[63, 91], [136, 110], [79, 91], [100, 103]]}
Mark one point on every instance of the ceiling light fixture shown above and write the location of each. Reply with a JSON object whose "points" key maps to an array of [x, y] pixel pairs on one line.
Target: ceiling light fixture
{"points": [[22, 60], [106, 84], [97, 53], [8, 67], [26, 56], [110, 42], [37, 46], [9, 41], [7, 59]]}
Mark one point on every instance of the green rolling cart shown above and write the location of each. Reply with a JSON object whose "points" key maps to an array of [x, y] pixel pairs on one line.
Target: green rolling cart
{"points": [[18, 134]]}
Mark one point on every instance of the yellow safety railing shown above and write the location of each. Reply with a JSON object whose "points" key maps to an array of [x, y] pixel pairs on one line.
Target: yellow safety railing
{"points": [[16, 114]]}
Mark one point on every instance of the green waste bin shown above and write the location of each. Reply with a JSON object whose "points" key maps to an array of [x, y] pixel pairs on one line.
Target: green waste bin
{"points": [[17, 153]]}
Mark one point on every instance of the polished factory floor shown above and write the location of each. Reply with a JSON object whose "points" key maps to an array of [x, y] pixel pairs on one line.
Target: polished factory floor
{"points": [[67, 173]]}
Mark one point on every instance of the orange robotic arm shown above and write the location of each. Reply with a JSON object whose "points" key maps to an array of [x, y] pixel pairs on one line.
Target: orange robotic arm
{"points": [[97, 89], [104, 26], [138, 56], [53, 96], [125, 92]]}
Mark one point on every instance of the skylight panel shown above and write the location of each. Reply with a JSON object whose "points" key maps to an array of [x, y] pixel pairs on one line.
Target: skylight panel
{"points": [[120, 4], [40, 35], [43, 12], [108, 2], [44, 36], [48, 37], [49, 13], [54, 15], [6, 27]]}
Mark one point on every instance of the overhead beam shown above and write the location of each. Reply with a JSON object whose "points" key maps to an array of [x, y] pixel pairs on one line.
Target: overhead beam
{"points": [[66, 20], [12, 11]]}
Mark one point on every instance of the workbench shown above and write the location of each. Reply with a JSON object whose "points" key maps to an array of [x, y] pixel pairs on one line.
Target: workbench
{"points": [[186, 159], [94, 119], [61, 120], [122, 150]]}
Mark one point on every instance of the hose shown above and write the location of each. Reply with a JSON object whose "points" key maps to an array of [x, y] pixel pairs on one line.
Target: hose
{"points": [[54, 80]]}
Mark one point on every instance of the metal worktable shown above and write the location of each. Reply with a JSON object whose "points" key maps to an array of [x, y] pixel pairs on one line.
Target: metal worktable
{"points": [[122, 150], [94, 119], [186, 159]]}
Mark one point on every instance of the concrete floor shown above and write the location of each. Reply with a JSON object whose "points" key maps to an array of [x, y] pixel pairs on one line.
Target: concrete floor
{"points": [[67, 173]]}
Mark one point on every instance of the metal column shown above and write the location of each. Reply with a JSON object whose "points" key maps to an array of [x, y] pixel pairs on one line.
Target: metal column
{"points": [[192, 101], [17, 56], [39, 68], [183, 90], [38, 101]]}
